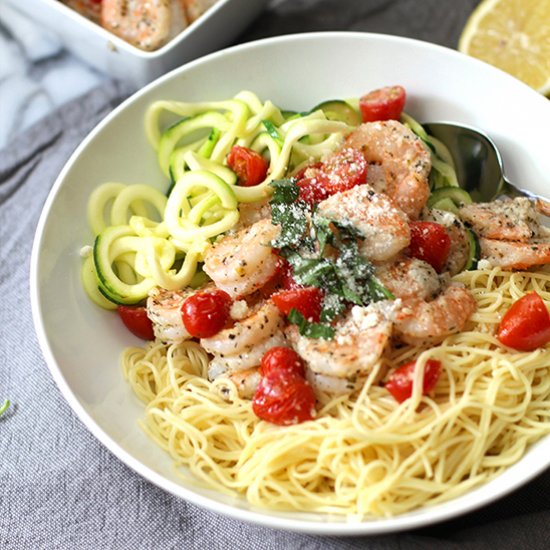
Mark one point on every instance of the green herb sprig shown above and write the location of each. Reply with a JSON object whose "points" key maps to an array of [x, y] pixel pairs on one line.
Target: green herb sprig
{"points": [[345, 278]]}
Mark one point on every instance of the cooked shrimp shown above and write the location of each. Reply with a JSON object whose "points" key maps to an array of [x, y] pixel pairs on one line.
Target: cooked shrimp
{"points": [[384, 227], [512, 236], [239, 350], [264, 322], [409, 278], [91, 9], [507, 219], [195, 8], [242, 263], [164, 310], [358, 344], [460, 243], [404, 159], [146, 25], [245, 381], [331, 386], [515, 255], [420, 322], [250, 357], [252, 212]]}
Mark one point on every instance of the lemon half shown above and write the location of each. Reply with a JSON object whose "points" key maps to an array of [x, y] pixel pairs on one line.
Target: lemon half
{"points": [[513, 35]]}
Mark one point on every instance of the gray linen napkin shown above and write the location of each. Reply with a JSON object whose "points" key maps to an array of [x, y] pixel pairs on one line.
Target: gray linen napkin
{"points": [[59, 487]]}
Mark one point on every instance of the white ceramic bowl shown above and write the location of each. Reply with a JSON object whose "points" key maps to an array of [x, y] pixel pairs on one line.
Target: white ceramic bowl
{"points": [[119, 59], [82, 343]]}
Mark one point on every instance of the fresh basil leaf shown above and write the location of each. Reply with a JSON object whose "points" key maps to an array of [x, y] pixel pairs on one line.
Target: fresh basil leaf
{"points": [[378, 291], [286, 191], [333, 305], [308, 329], [344, 279], [347, 230], [352, 296], [293, 222], [322, 232], [288, 212], [310, 271]]}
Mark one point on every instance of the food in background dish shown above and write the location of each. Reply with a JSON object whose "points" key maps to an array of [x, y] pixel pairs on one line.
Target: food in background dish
{"points": [[148, 25], [334, 324], [90, 9]]}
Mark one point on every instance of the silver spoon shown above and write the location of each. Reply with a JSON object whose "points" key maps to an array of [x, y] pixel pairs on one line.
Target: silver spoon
{"points": [[477, 160]]}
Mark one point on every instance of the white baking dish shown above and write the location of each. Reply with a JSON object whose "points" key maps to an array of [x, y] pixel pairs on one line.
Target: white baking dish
{"points": [[112, 55]]}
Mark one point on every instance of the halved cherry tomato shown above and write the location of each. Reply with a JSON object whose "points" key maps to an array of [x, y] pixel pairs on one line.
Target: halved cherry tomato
{"points": [[309, 180], [250, 167], [312, 190], [136, 321], [308, 301], [282, 279], [204, 314], [284, 399], [526, 325], [344, 169], [341, 171], [273, 284], [383, 104], [287, 280], [430, 242], [283, 359], [400, 383]]}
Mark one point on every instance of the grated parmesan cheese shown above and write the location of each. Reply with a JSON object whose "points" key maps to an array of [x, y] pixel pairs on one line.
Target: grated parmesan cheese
{"points": [[239, 310]]}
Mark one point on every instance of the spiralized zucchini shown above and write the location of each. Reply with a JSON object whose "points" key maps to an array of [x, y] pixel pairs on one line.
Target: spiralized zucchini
{"points": [[443, 172], [144, 238]]}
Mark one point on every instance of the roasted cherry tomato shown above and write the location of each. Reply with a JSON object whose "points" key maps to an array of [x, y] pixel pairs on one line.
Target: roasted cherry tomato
{"points": [[284, 399], [339, 172], [526, 325], [282, 279], [206, 313], [286, 278], [136, 321], [311, 191], [250, 167], [283, 359], [344, 169], [383, 104], [430, 242], [310, 183], [308, 301], [400, 383]]}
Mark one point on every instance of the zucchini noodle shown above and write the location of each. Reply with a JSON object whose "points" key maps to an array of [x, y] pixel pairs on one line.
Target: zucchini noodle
{"points": [[144, 238], [364, 455]]}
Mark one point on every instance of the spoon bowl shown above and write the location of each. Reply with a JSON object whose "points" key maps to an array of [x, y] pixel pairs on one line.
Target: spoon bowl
{"points": [[478, 162]]}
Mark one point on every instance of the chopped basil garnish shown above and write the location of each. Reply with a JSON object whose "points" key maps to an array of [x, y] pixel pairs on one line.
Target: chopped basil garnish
{"points": [[286, 191], [345, 277], [288, 212], [308, 329]]}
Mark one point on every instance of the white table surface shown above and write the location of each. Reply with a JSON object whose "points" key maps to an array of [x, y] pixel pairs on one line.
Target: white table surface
{"points": [[36, 74]]}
